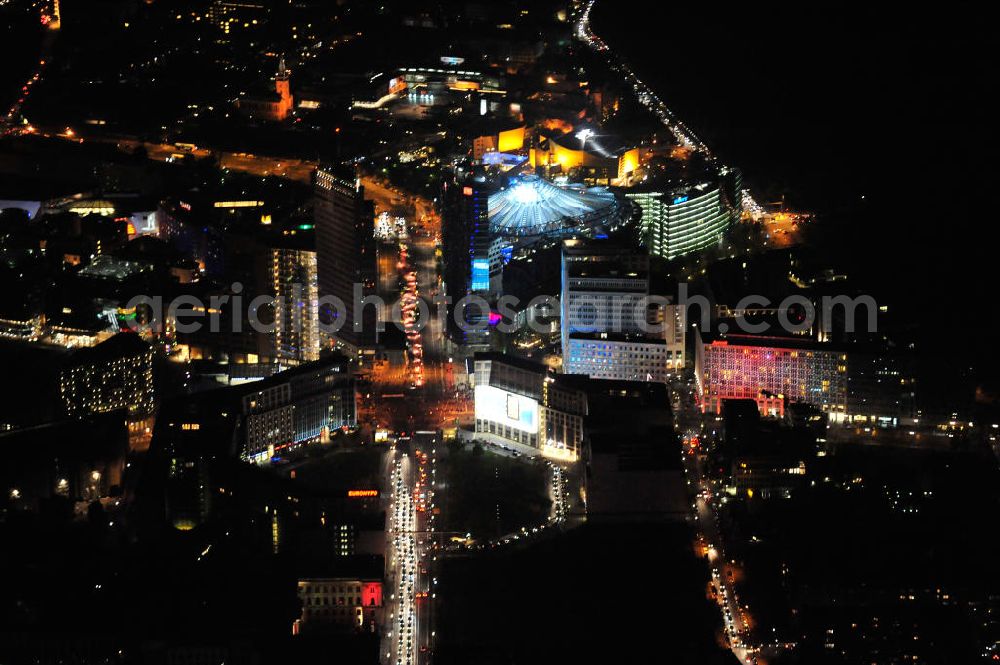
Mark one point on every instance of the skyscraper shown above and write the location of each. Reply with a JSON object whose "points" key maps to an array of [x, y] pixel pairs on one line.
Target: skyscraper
{"points": [[296, 293], [680, 220], [345, 252], [605, 312]]}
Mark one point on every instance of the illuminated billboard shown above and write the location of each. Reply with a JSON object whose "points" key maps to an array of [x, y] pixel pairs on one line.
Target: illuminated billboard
{"points": [[506, 408], [480, 275]]}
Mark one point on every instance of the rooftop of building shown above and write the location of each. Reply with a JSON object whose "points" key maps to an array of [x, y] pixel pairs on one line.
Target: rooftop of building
{"points": [[631, 418], [333, 362], [620, 337], [370, 567], [513, 361], [592, 257], [654, 449], [203, 423], [748, 434], [774, 337], [122, 345], [529, 205], [109, 267]]}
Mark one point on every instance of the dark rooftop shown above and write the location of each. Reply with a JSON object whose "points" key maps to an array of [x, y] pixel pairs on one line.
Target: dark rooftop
{"points": [[122, 345]]}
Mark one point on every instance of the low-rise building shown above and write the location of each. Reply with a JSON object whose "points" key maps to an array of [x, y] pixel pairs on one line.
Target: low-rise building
{"points": [[344, 595]]}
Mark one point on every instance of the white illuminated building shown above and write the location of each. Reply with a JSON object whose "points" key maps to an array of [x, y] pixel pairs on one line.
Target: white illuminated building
{"points": [[608, 330], [296, 298], [531, 206], [522, 406]]}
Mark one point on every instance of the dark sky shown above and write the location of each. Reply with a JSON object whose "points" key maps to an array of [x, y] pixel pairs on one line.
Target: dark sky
{"points": [[826, 102]]}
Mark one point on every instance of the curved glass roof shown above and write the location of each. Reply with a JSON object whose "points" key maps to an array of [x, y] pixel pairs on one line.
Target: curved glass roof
{"points": [[533, 206]]}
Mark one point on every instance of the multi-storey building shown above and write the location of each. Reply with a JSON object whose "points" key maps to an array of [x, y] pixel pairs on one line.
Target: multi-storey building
{"points": [[466, 236], [524, 406], [680, 220], [344, 596], [345, 253], [881, 386], [622, 358], [236, 16], [772, 371], [297, 406], [188, 233], [115, 374], [295, 287], [608, 330]]}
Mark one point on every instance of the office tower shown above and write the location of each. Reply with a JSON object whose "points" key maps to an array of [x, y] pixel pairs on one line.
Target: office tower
{"points": [[296, 292], [680, 220], [608, 328], [345, 253]]}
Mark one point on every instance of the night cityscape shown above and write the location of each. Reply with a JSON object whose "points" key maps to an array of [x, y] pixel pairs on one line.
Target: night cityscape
{"points": [[473, 332]]}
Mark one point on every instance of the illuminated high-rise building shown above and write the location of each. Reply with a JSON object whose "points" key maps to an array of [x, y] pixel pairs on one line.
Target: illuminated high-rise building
{"points": [[609, 330], [345, 253], [295, 287], [681, 220]]}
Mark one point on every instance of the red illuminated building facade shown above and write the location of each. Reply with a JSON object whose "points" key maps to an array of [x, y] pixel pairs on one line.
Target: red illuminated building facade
{"points": [[339, 603], [772, 371]]}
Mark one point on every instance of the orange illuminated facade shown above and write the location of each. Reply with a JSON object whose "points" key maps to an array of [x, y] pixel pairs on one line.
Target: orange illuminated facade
{"points": [[628, 163], [508, 140], [274, 107], [463, 85], [564, 154], [511, 140]]}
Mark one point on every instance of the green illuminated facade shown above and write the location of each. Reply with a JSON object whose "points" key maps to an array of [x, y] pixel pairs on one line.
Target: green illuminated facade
{"points": [[682, 220]]}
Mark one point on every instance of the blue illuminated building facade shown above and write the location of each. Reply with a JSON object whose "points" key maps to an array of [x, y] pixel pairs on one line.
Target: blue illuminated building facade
{"points": [[608, 330]]}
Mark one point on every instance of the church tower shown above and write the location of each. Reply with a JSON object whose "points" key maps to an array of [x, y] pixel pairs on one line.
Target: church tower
{"points": [[282, 86]]}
